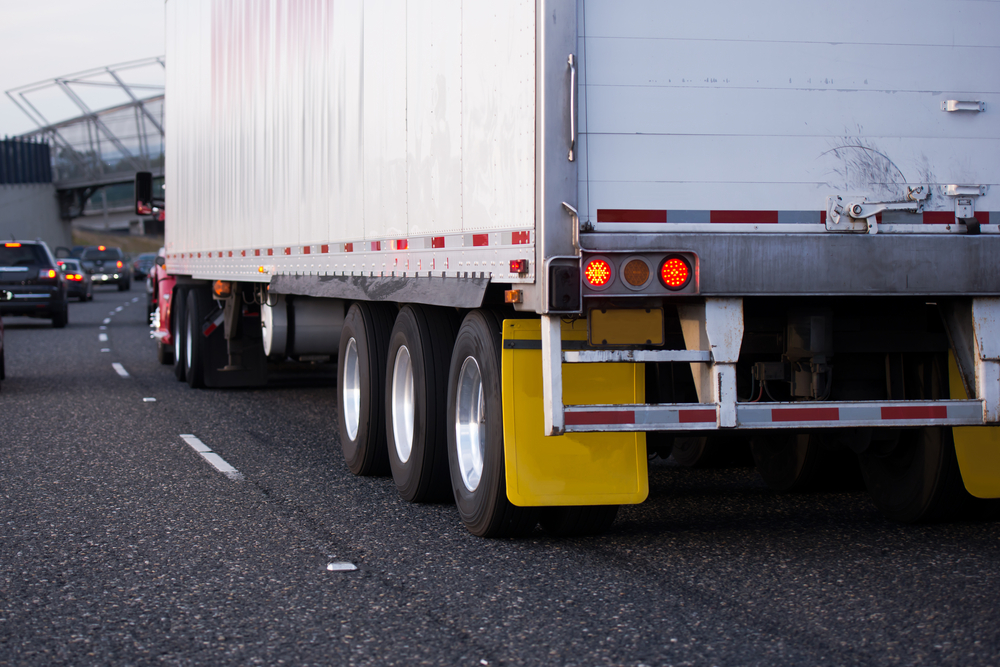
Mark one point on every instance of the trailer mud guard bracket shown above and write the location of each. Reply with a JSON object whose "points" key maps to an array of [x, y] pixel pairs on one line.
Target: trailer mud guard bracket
{"points": [[578, 468], [431, 291]]}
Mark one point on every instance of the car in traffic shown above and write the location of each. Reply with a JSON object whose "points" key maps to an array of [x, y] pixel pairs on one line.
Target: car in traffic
{"points": [[106, 265], [78, 282], [30, 273], [142, 265], [5, 295]]}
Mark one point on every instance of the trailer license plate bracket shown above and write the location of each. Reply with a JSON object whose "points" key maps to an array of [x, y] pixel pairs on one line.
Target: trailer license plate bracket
{"points": [[625, 326]]}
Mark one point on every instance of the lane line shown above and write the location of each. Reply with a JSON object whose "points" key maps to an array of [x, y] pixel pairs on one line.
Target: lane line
{"points": [[103, 337], [149, 399], [217, 461], [107, 320], [120, 369], [119, 309], [135, 299], [103, 328], [105, 349]]}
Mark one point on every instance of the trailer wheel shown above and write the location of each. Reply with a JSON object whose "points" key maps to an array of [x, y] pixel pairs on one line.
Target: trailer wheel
{"points": [[416, 396], [178, 326], [915, 478], [194, 341], [364, 344], [579, 520], [164, 353], [475, 433], [788, 461]]}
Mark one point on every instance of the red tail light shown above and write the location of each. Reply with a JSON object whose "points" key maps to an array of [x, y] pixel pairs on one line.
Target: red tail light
{"points": [[47, 274], [675, 272], [597, 272], [11, 245], [74, 276], [101, 248], [119, 264]]}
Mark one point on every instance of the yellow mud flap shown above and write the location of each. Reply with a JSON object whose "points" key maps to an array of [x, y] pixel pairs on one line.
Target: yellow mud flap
{"points": [[977, 447], [578, 468]]}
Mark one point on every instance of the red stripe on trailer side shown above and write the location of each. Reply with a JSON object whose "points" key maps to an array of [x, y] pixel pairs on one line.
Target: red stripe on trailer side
{"points": [[822, 217], [630, 215], [306, 249], [591, 418], [805, 414], [377, 245], [348, 247], [270, 251], [437, 242], [324, 249], [915, 412], [401, 244], [256, 252], [983, 217], [939, 217], [748, 217], [480, 239], [288, 251], [696, 416], [519, 238]]}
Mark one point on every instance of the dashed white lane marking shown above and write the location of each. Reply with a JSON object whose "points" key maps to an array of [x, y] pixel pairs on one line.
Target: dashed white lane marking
{"points": [[135, 299], [119, 309], [105, 349], [102, 337], [217, 461], [149, 399], [102, 328], [120, 369], [107, 320]]}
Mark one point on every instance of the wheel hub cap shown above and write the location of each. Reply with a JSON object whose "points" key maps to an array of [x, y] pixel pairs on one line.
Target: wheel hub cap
{"points": [[351, 391], [402, 404], [470, 424]]}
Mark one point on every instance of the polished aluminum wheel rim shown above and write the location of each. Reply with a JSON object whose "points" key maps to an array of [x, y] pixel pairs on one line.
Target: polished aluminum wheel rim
{"points": [[402, 404], [351, 391], [470, 424]]}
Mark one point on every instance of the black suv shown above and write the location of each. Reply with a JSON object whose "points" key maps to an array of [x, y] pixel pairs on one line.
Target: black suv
{"points": [[106, 265], [29, 271]]}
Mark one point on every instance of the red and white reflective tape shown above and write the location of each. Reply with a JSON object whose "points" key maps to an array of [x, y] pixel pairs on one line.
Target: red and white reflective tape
{"points": [[828, 414], [661, 216], [215, 323], [448, 241]]}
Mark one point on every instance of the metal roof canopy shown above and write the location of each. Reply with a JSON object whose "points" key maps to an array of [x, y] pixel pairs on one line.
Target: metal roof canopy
{"points": [[103, 147]]}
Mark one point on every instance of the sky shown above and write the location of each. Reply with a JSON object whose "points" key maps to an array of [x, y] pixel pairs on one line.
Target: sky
{"points": [[44, 39]]}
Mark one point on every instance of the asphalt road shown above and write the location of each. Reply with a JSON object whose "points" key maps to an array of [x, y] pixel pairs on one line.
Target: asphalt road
{"points": [[120, 544]]}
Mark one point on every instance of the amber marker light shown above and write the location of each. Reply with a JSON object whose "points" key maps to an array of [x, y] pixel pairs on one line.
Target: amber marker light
{"points": [[675, 272], [597, 273], [636, 273], [222, 288]]}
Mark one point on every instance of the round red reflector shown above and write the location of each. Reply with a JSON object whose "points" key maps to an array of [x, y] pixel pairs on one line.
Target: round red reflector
{"points": [[597, 272], [675, 273]]}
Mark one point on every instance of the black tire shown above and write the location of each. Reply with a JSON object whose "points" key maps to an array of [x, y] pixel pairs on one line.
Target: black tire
{"points": [[178, 308], [164, 353], [368, 325], [915, 478], [578, 520], [422, 339], [788, 461], [61, 317], [194, 341], [484, 509]]}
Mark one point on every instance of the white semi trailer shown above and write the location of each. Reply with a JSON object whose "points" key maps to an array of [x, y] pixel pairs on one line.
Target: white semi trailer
{"points": [[533, 233]]}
